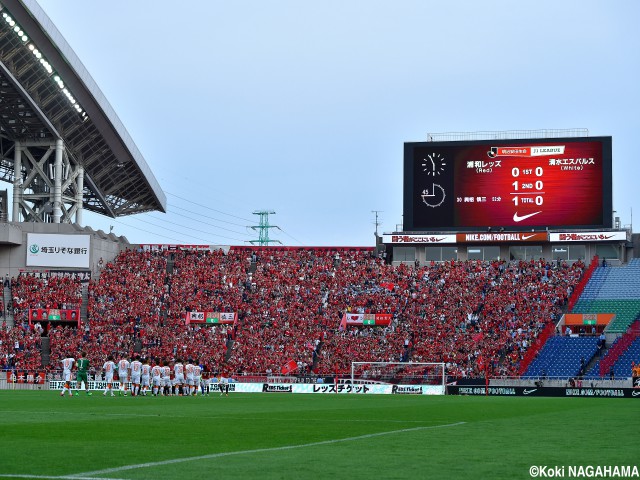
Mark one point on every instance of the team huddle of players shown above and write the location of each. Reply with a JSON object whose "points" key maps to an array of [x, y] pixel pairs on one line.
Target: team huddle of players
{"points": [[162, 378]]}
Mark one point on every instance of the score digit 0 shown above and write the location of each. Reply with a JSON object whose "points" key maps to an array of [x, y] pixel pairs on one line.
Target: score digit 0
{"points": [[515, 172]]}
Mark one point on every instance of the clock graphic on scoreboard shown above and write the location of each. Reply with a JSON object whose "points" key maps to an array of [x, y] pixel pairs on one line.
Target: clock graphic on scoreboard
{"points": [[433, 165], [433, 196]]}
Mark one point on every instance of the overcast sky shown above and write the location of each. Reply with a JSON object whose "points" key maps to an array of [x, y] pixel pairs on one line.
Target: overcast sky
{"points": [[302, 107]]}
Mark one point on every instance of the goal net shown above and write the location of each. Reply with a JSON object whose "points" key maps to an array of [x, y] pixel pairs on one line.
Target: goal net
{"points": [[398, 373]]}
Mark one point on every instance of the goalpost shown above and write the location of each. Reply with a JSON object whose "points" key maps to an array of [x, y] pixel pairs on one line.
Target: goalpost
{"points": [[399, 373]]}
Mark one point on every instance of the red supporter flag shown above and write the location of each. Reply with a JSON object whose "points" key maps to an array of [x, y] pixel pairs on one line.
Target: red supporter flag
{"points": [[289, 367], [480, 362]]}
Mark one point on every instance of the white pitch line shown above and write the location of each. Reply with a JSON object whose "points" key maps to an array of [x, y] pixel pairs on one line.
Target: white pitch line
{"points": [[257, 450]]}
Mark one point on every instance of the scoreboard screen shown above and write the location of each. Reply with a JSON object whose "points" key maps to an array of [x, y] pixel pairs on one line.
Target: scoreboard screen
{"points": [[515, 184]]}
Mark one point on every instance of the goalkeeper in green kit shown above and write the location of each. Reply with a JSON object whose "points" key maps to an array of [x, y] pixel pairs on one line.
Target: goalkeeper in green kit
{"points": [[81, 375]]}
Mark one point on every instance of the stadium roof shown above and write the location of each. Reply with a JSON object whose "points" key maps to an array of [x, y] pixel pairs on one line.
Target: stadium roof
{"points": [[47, 94]]}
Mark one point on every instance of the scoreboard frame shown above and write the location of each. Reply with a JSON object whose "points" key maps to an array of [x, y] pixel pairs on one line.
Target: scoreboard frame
{"points": [[445, 220]]}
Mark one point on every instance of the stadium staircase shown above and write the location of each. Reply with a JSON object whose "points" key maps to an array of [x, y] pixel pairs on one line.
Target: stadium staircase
{"points": [[229, 352], [85, 303], [171, 260], [8, 311], [593, 368], [316, 357], [170, 264], [231, 340], [45, 351], [253, 266]]}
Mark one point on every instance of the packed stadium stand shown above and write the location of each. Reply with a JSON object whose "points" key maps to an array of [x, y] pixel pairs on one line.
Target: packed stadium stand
{"points": [[29, 291], [290, 302], [19, 349]]}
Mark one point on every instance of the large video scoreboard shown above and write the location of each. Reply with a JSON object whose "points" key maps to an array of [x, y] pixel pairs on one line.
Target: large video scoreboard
{"points": [[514, 184]]}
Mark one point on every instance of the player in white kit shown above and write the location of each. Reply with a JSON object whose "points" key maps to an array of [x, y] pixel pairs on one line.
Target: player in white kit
{"points": [[109, 368], [146, 372], [123, 375], [156, 377], [166, 378], [67, 366], [223, 384], [178, 373], [190, 388], [197, 377], [136, 374]]}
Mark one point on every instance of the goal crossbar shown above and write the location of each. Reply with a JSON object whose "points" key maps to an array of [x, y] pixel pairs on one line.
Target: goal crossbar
{"points": [[425, 373]]}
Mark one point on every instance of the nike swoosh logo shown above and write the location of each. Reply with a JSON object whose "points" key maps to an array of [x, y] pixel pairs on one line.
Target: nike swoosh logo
{"points": [[527, 237], [518, 218], [527, 392], [635, 394]]}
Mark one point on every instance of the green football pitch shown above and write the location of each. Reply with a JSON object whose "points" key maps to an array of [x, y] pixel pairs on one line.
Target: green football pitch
{"points": [[310, 436]]}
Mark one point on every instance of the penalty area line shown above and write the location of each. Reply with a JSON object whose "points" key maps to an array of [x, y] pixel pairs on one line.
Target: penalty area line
{"points": [[80, 476]]}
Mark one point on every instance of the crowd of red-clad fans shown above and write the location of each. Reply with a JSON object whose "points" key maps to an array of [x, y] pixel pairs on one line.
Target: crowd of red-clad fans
{"points": [[19, 348], [30, 292], [289, 304]]}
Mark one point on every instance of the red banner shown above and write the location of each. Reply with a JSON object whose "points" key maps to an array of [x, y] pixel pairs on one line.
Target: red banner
{"points": [[25, 376], [289, 367], [54, 315], [222, 318], [383, 319], [366, 319]]}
